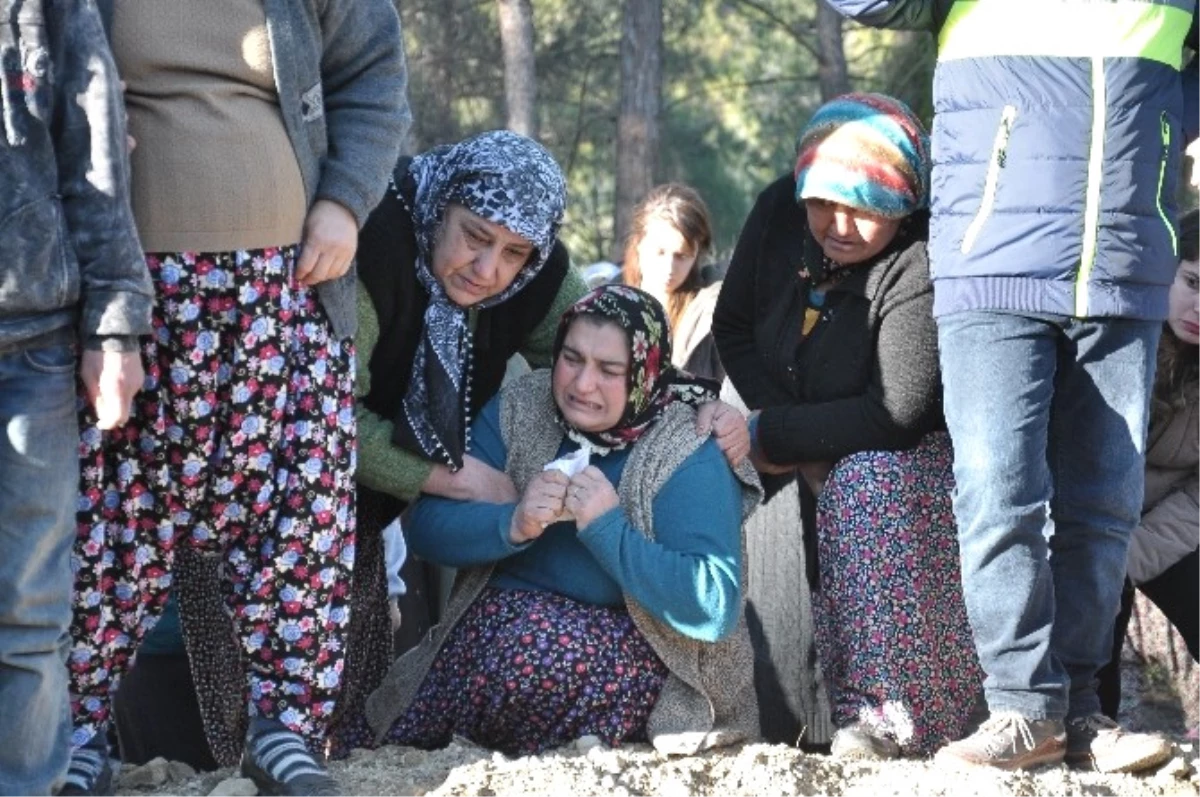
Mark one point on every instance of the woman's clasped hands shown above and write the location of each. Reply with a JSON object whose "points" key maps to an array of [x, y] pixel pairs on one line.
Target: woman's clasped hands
{"points": [[551, 497]]}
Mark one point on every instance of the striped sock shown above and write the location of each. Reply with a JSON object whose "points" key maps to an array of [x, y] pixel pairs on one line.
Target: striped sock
{"points": [[280, 752], [88, 764]]}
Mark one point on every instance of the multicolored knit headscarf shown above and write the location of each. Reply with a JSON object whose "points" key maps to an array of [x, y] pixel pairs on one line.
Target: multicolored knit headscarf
{"points": [[652, 382], [867, 151]]}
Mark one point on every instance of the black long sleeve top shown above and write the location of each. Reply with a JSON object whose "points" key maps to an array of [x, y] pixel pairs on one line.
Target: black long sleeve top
{"points": [[867, 379]]}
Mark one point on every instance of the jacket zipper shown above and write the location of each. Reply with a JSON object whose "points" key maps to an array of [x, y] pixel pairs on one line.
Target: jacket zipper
{"points": [[1091, 208], [1162, 178], [997, 162]]}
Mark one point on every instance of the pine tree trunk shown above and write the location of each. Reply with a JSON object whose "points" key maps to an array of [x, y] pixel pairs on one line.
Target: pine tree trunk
{"points": [[831, 68], [520, 77], [641, 103], [436, 28]]}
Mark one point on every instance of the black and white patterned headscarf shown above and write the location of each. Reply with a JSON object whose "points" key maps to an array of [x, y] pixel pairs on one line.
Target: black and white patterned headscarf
{"points": [[509, 180]]}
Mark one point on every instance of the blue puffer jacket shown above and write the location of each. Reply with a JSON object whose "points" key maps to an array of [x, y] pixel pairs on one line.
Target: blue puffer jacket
{"points": [[1056, 142]]}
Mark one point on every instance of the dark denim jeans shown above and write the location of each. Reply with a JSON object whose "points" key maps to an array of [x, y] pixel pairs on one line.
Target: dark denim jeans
{"points": [[39, 481], [1048, 417]]}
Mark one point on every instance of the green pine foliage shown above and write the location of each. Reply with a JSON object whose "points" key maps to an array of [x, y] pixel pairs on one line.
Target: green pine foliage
{"points": [[740, 80]]}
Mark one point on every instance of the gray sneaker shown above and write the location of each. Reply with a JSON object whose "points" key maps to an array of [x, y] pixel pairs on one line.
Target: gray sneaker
{"points": [[1007, 741], [858, 742], [1096, 742]]}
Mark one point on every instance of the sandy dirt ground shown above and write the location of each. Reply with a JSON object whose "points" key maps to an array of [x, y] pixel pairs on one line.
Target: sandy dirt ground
{"points": [[1159, 694], [463, 769]]}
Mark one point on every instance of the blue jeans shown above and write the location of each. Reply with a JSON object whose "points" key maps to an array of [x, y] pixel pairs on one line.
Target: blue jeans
{"points": [[1048, 418], [39, 481]]}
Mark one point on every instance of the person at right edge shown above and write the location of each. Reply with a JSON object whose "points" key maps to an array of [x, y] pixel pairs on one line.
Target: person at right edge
{"points": [[1057, 143]]}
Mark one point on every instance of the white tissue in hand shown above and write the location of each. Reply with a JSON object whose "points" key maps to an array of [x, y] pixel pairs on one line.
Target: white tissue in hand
{"points": [[572, 464], [395, 551]]}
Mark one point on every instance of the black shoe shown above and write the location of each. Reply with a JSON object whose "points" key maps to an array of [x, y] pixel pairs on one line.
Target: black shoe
{"points": [[279, 762], [103, 786], [299, 786]]}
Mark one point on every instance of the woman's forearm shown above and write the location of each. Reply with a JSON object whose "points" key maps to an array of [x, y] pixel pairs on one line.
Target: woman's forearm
{"points": [[460, 533], [384, 466], [689, 575]]}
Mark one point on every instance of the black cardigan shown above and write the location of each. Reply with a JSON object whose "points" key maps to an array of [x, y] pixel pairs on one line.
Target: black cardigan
{"points": [[869, 381], [387, 256]]}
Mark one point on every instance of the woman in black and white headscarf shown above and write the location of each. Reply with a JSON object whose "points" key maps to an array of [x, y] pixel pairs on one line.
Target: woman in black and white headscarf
{"points": [[459, 269]]}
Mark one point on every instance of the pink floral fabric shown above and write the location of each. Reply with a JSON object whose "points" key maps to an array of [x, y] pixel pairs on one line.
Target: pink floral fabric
{"points": [[525, 671], [891, 625], [242, 443]]}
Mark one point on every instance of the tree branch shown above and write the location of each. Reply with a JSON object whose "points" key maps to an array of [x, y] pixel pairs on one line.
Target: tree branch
{"points": [[577, 139], [741, 84], [795, 31]]}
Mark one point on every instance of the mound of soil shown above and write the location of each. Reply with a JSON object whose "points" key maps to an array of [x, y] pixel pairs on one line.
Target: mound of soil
{"points": [[464, 769]]}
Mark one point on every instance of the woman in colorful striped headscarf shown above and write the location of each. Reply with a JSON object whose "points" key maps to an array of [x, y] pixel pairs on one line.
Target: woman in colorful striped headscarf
{"points": [[824, 326]]}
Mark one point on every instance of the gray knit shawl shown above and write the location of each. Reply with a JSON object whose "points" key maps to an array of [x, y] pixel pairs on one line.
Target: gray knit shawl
{"points": [[709, 698]]}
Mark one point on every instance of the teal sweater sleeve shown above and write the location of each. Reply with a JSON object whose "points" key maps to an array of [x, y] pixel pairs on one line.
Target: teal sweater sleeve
{"points": [[467, 533], [689, 576]]}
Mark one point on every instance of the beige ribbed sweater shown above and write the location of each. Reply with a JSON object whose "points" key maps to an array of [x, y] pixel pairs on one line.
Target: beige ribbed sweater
{"points": [[214, 169]]}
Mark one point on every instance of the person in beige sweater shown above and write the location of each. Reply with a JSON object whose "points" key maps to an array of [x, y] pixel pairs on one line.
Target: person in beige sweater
{"points": [[265, 130]]}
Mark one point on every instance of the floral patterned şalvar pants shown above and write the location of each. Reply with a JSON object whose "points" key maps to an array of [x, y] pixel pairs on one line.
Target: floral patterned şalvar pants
{"points": [[891, 623], [241, 443]]}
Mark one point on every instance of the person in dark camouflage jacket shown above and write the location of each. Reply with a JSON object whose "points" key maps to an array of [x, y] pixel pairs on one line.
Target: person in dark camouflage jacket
{"points": [[71, 277]]}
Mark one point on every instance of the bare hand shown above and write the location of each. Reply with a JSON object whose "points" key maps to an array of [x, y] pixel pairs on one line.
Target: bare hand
{"points": [[330, 240], [474, 481], [111, 380], [590, 495], [1193, 153], [726, 424], [541, 506]]}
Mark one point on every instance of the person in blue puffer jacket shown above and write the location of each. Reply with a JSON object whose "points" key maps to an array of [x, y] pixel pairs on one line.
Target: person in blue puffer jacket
{"points": [[1057, 140]]}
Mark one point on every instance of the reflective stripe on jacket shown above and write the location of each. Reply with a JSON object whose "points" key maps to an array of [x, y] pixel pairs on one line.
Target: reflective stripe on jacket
{"points": [[1057, 143]]}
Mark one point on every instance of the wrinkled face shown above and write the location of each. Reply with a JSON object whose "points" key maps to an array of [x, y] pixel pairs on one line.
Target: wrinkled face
{"points": [[590, 381], [848, 235], [1184, 317], [475, 259], [664, 257]]}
